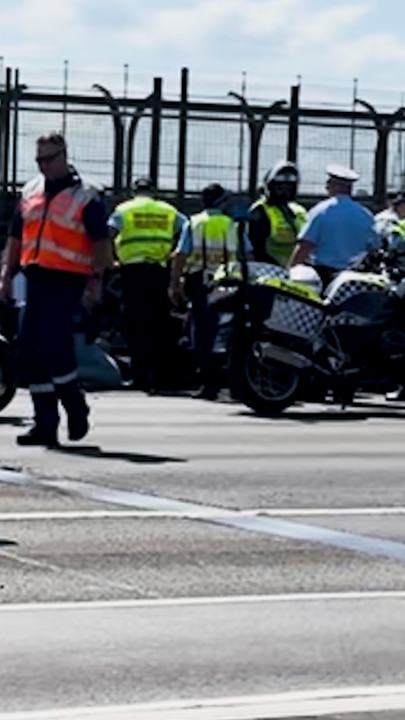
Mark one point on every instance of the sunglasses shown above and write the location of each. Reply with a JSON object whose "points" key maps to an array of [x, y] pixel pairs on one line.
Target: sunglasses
{"points": [[41, 159]]}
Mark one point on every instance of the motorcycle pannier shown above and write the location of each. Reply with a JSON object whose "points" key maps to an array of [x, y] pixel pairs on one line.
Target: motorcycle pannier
{"points": [[284, 311]]}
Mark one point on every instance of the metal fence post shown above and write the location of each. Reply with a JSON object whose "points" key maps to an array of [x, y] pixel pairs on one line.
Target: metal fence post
{"points": [[256, 126], [5, 123], [17, 90], [155, 135], [181, 164], [353, 127], [293, 124], [383, 126], [118, 139], [131, 137]]}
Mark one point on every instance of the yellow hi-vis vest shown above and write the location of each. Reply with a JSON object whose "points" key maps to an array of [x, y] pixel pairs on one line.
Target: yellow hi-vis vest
{"points": [[398, 229], [147, 233], [215, 240], [283, 234]]}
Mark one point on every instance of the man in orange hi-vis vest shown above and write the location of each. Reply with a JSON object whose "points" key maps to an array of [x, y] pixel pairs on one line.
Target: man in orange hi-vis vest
{"points": [[59, 238]]}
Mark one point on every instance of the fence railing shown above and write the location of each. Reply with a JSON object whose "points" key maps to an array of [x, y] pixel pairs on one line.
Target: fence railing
{"points": [[183, 144]]}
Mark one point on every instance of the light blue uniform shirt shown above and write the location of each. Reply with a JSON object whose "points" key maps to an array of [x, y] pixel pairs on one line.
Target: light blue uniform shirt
{"points": [[340, 229]]}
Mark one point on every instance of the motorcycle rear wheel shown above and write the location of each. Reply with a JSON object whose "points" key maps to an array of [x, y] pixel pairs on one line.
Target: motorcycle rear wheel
{"points": [[263, 384]]}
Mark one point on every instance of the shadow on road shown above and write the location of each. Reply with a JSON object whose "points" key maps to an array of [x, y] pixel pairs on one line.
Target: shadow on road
{"points": [[351, 414], [15, 420], [94, 451], [396, 406]]}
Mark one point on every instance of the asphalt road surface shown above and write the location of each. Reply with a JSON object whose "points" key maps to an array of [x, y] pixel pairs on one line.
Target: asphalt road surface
{"points": [[189, 557]]}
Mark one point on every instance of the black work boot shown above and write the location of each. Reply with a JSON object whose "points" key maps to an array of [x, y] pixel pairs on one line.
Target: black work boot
{"points": [[36, 436], [45, 429], [78, 424], [77, 411]]}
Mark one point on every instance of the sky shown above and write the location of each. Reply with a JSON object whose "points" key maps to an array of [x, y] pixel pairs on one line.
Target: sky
{"points": [[329, 47]]}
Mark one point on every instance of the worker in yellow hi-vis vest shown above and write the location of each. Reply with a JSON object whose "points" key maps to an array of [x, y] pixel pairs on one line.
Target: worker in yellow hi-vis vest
{"points": [[210, 240], [145, 230], [275, 219]]}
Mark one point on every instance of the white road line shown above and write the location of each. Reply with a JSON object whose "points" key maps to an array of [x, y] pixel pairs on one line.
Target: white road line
{"points": [[271, 526], [354, 596], [195, 515], [120, 514], [306, 512], [283, 705]]}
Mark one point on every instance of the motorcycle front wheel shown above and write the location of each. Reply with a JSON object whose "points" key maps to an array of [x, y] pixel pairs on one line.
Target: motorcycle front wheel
{"points": [[263, 384]]}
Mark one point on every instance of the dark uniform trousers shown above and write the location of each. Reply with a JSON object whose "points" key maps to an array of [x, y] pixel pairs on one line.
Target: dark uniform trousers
{"points": [[46, 352], [146, 319], [204, 327], [327, 274]]}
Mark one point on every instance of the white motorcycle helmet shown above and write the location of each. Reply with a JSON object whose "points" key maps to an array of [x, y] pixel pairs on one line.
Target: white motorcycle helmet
{"points": [[281, 182], [306, 275]]}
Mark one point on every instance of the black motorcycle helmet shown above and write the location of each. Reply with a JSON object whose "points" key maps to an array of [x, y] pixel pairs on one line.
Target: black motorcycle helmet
{"points": [[280, 184], [214, 195], [144, 185]]}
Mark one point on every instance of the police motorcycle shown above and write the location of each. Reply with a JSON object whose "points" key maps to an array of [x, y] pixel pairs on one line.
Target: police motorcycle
{"points": [[240, 296], [288, 342]]}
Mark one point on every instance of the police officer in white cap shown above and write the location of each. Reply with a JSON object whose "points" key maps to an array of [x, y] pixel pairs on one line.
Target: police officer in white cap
{"points": [[338, 229]]}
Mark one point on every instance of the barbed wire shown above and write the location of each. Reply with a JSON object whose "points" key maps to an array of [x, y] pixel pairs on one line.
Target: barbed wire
{"points": [[128, 81]]}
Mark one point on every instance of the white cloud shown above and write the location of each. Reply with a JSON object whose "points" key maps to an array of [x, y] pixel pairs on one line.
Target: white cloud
{"points": [[273, 40], [381, 51], [210, 24], [37, 19], [326, 26], [41, 29]]}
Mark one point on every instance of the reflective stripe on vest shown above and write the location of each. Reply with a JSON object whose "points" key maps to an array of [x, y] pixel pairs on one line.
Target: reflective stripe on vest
{"points": [[147, 230], [283, 233], [54, 235], [215, 240]]}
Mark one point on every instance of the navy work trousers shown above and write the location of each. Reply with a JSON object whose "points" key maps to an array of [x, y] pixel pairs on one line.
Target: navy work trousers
{"points": [[46, 350]]}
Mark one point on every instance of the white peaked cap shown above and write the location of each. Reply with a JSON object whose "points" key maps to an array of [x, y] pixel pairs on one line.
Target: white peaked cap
{"points": [[343, 173]]}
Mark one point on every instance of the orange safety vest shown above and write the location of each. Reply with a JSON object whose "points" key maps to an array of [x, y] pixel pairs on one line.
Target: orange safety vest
{"points": [[53, 234]]}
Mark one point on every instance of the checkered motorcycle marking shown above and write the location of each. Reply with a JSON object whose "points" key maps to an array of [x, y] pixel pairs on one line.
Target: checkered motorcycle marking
{"points": [[344, 318], [263, 270], [351, 284], [294, 316], [353, 287]]}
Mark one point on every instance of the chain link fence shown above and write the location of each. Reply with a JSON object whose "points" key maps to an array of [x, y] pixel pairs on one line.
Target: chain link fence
{"points": [[184, 144]]}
